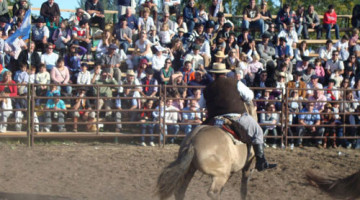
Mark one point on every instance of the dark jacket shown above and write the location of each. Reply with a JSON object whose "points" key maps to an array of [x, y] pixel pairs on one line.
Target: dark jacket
{"points": [[35, 58], [47, 12]]}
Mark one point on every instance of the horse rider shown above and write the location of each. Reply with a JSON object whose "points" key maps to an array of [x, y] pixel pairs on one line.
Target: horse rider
{"points": [[223, 97]]}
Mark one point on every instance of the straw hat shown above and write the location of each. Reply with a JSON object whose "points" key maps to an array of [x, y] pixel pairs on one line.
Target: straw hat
{"points": [[219, 68], [220, 54], [130, 72]]}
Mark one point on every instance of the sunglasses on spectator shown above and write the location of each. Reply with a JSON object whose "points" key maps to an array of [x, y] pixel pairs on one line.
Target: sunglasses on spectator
{"points": [[168, 62]]}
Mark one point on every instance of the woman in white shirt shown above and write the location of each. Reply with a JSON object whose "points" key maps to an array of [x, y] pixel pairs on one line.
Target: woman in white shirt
{"points": [[142, 49], [145, 22], [301, 51], [158, 61]]}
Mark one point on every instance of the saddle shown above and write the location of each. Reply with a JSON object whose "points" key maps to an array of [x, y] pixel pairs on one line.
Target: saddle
{"points": [[229, 125]]}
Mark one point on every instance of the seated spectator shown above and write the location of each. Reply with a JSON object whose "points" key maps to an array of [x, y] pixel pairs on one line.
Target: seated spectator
{"points": [[334, 64], [5, 104], [342, 46], [325, 53], [215, 8], [298, 83], [147, 90], [265, 49], [243, 40], [180, 24], [197, 32], [308, 121], [96, 11], [84, 112], [132, 21], [84, 77], [193, 118], [29, 55], [42, 78], [313, 85], [172, 6], [59, 109], [344, 84], [319, 70], [313, 21], [147, 128], [73, 58], [178, 52], [49, 58], [231, 61], [142, 49], [230, 44], [103, 45], [328, 118], [166, 72], [17, 20], [140, 72], [353, 64], [60, 75], [49, 10], [111, 62], [191, 15], [319, 100], [255, 67], [300, 23], [146, 22], [252, 17], [53, 23], [40, 34], [123, 34], [306, 77], [62, 37], [166, 35], [22, 77], [332, 93], [337, 77], [153, 37], [81, 36], [166, 20], [270, 117], [177, 80], [187, 72], [132, 90], [283, 50], [330, 19], [356, 92], [283, 69], [301, 51], [12, 51], [301, 66], [158, 60], [354, 48], [80, 14], [290, 35], [171, 116], [284, 17], [202, 78], [196, 60]]}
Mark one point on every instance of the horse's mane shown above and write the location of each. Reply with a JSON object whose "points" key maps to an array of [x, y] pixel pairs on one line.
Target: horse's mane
{"points": [[344, 188]]}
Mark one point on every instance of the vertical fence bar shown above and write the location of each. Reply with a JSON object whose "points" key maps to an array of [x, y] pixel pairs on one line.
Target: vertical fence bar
{"points": [[163, 118], [343, 110], [159, 122], [33, 111], [29, 113], [286, 116], [97, 109]]}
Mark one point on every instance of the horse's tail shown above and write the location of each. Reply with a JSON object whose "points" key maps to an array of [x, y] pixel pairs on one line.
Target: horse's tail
{"points": [[346, 188], [172, 176]]}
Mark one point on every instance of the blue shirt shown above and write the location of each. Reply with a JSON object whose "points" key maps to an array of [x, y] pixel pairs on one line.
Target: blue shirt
{"points": [[309, 119], [132, 22], [51, 104]]}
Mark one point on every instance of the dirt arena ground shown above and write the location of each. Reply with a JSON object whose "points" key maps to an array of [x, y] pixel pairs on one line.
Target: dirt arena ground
{"points": [[104, 171]]}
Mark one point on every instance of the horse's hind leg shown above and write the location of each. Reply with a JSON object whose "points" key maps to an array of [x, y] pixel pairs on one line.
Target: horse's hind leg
{"points": [[246, 173], [217, 186], [180, 192]]}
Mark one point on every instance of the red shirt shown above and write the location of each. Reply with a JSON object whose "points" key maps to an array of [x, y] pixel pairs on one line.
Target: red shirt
{"points": [[330, 18]]}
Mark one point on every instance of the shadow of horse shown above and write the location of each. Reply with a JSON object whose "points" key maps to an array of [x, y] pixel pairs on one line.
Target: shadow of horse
{"points": [[211, 151], [22, 196]]}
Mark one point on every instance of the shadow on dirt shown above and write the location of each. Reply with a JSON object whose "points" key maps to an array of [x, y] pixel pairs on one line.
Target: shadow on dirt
{"points": [[14, 196]]}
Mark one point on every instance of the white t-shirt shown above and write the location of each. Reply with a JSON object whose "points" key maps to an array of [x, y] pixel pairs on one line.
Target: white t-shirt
{"points": [[49, 60], [142, 47]]}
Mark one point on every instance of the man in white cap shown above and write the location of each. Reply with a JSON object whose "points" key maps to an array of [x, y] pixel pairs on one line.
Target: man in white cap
{"points": [[224, 97]]}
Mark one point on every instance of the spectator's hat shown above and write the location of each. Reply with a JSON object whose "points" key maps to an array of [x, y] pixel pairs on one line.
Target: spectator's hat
{"points": [[219, 68], [332, 81], [130, 72], [227, 25], [282, 74], [197, 25], [181, 30], [210, 24], [220, 54], [298, 73], [39, 20], [160, 48], [82, 22], [328, 105], [283, 39], [305, 58], [314, 76], [149, 71], [143, 61], [196, 47], [239, 71], [266, 35], [113, 46]]}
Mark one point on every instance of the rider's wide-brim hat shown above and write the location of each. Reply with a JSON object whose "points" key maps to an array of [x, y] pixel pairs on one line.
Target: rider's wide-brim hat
{"points": [[219, 68]]}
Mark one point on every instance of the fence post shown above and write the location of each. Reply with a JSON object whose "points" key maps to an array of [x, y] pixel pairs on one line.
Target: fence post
{"points": [[163, 128], [30, 116]]}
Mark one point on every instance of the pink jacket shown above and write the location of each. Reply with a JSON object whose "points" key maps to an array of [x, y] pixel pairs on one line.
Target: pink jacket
{"points": [[58, 76], [319, 71]]}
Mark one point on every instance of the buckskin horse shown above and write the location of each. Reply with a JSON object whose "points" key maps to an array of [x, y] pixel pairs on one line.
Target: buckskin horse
{"points": [[211, 151], [344, 188]]}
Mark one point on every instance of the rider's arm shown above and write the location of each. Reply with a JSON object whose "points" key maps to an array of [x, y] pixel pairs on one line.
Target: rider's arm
{"points": [[246, 93]]}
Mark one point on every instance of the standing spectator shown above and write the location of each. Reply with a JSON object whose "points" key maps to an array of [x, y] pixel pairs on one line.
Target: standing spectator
{"points": [[123, 34], [49, 10], [5, 104], [191, 117], [147, 128], [328, 118], [191, 14], [21, 4], [4, 12], [313, 21], [330, 19], [132, 90], [252, 17], [96, 10], [80, 14], [308, 120], [171, 116], [49, 58], [40, 34], [59, 108], [22, 77], [270, 117], [83, 112]]}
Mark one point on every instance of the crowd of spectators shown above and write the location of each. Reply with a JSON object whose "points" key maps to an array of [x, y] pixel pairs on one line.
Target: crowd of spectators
{"points": [[145, 49]]}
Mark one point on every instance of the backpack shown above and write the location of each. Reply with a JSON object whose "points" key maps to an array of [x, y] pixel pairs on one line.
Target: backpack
{"points": [[355, 20]]}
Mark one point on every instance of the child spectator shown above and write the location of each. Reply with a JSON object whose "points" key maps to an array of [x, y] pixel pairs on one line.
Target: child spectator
{"points": [[5, 104], [42, 78], [84, 77], [319, 70], [166, 35], [147, 128]]}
